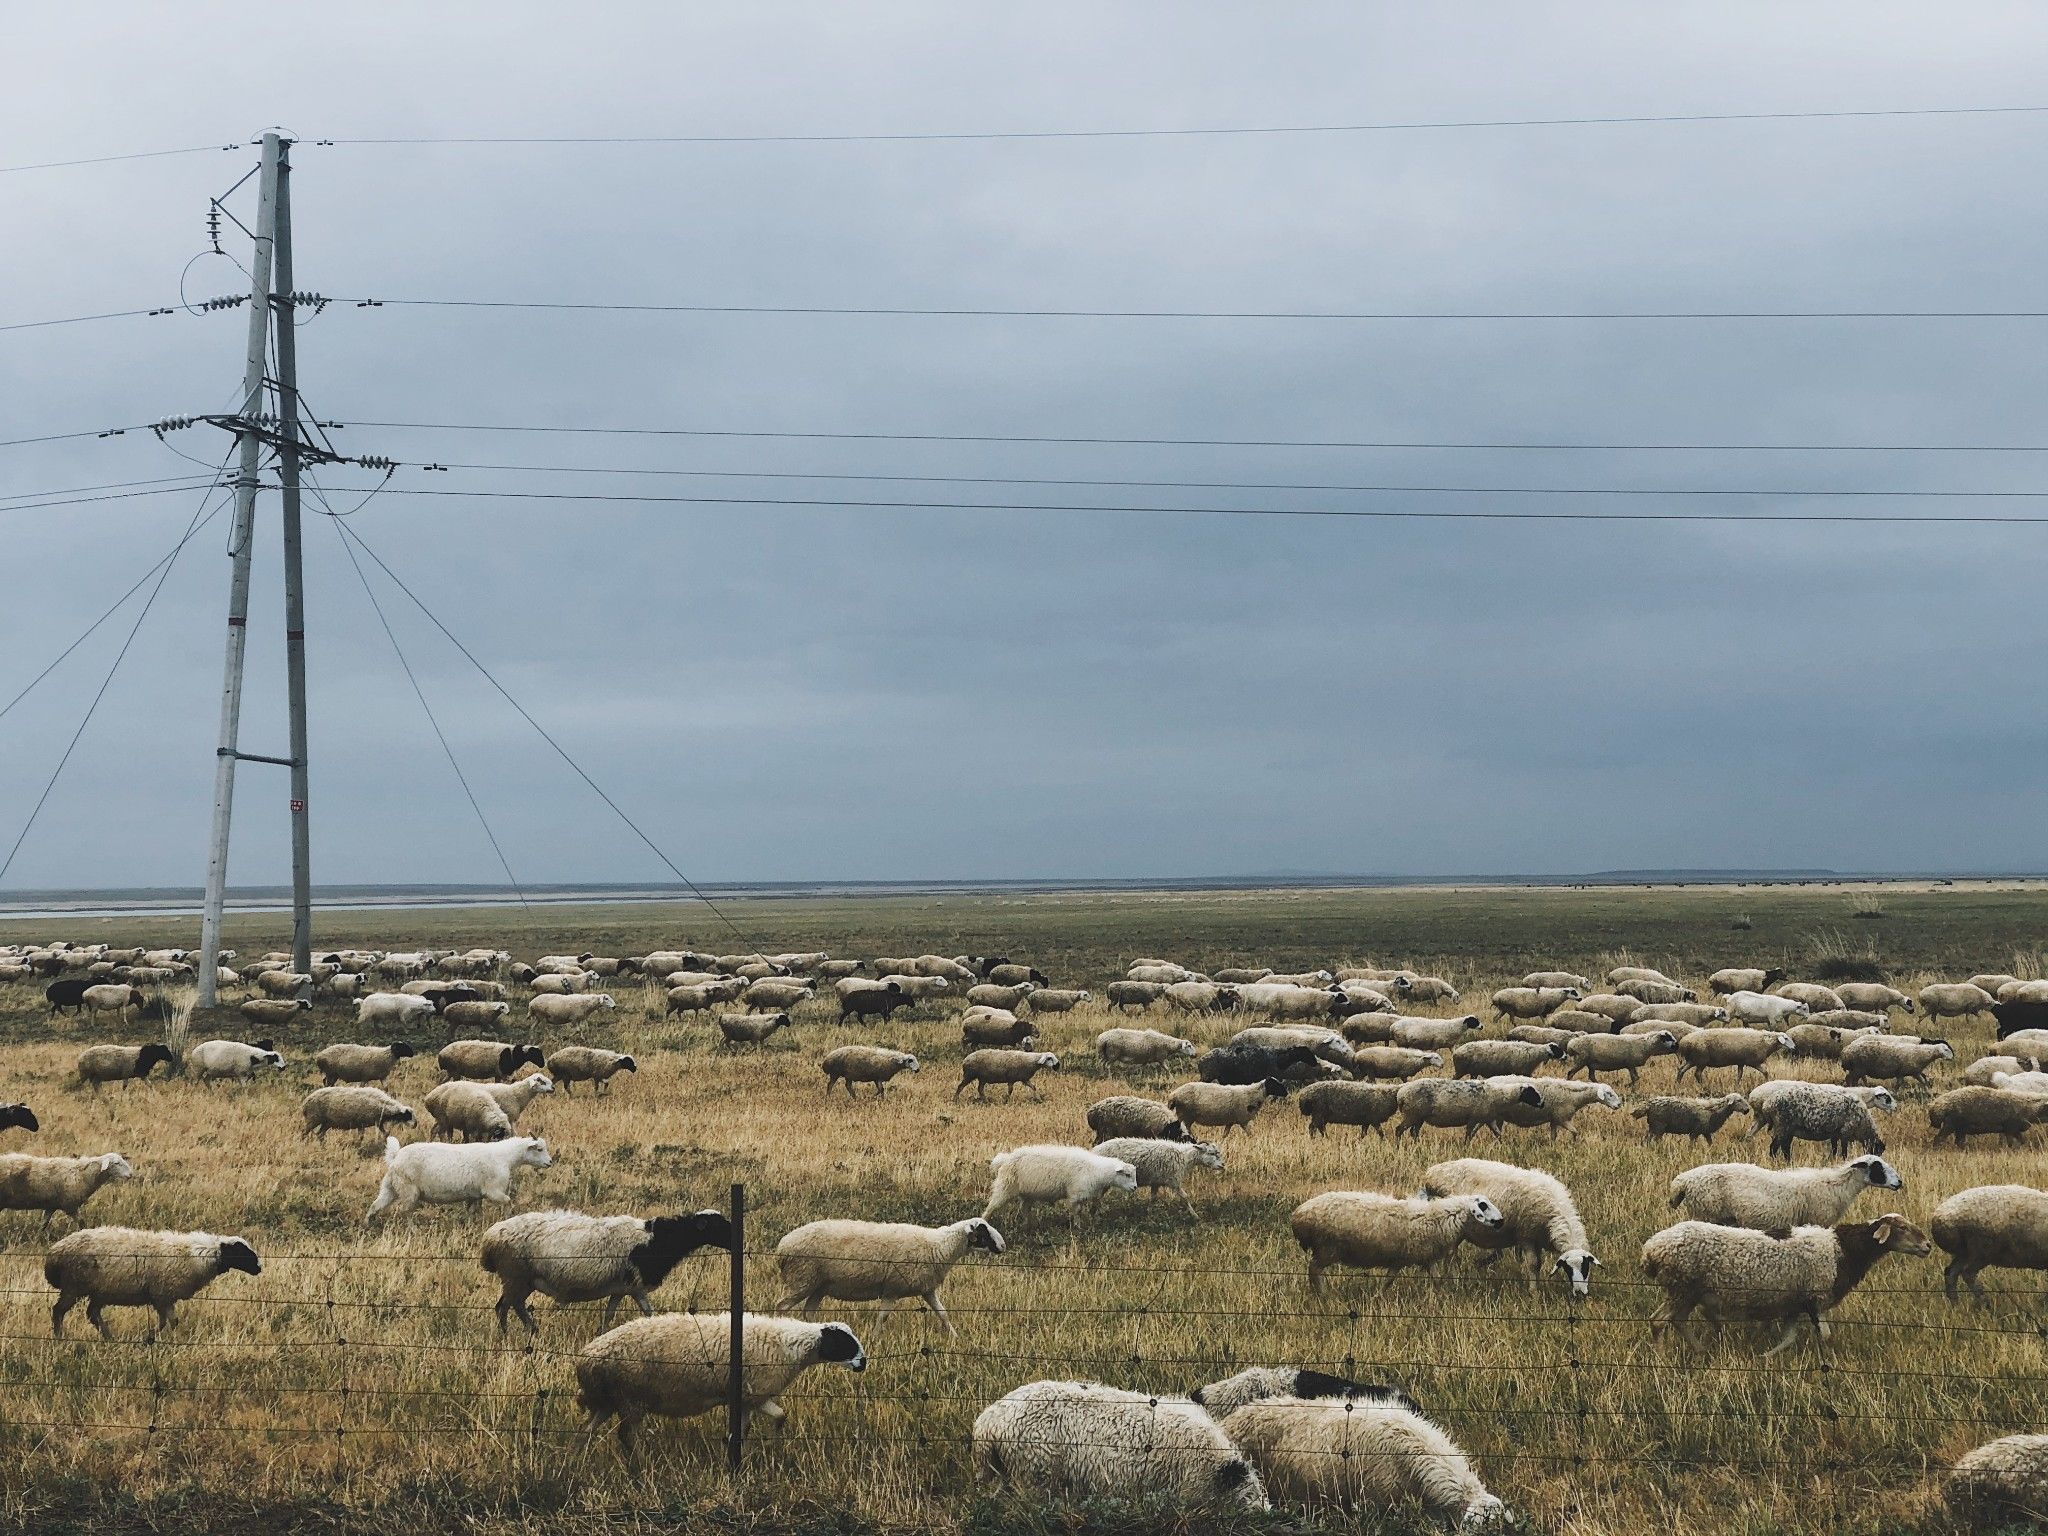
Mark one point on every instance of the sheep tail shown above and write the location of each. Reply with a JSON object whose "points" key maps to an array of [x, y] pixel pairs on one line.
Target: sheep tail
{"points": [[390, 1150], [1677, 1197]]}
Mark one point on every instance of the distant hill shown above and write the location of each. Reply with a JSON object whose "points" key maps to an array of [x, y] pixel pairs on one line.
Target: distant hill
{"points": [[1663, 876]]}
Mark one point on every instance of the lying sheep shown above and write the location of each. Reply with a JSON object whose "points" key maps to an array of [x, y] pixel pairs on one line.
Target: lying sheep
{"points": [[1954, 1000], [1082, 1440], [1042, 1175], [1231, 1106], [1140, 1047], [1744, 1195], [1360, 1456], [1393, 1063], [1257, 1383], [1006, 1068], [1594, 1054], [749, 1028], [591, 1064], [485, 1060], [53, 1184], [217, 1060], [123, 1267], [1734, 1274], [2002, 1482], [1694, 1119], [483, 1111], [121, 1063], [1824, 1112], [1375, 1231], [1746, 1050], [353, 1107], [1366, 1105], [570, 1257], [1891, 1058], [877, 1261], [1539, 1218], [677, 1365], [345, 1063], [436, 1173], [1126, 1115], [1163, 1164], [1962, 1113], [1993, 1226], [850, 1064]]}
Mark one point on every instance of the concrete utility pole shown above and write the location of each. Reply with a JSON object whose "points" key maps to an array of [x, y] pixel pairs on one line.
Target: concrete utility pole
{"points": [[294, 573]]}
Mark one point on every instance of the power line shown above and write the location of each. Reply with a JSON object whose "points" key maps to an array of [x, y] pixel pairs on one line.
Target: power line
{"points": [[65, 437], [112, 314], [147, 154], [1224, 131], [187, 481]]}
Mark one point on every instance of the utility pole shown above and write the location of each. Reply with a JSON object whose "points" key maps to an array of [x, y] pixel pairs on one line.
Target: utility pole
{"points": [[244, 533], [294, 573]]}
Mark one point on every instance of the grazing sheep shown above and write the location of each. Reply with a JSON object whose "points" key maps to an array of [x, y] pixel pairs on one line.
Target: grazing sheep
{"points": [[1124, 1115], [1892, 1058], [1744, 1195], [995, 1026], [1041, 1175], [1694, 1119], [475, 1014], [355, 1107], [1500, 1058], [1539, 1218], [483, 1111], [587, 1064], [1735, 979], [1429, 989], [393, 1010], [1594, 1054], [1955, 1001], [109, 997], [436, 1173], [1732, 1273], [1824, 1112], [212, 1060], [877, 1261], [570, 1257], [676, 1366], [1082, 1440], [345, 1063], [1448, 1103], [18, 1117], [1362, 1456], [750, 1028], [1366, 1105], [1007, 1068], [1993, 1226], [1746, 1050], [485, 1060], [1962, 1113], [53, 1184], [1365, 1230], [2031, 1083], [1874, 996], [1057, 1000], [850, 1064], [121, 1063], [1231, 1105], [123, 1267], [2002, 1482], [1163, 1164], [1134, 994], [1140, 1047], [1534, 1002], [1986, 1070], [570, 1010], [1241, 1064]]}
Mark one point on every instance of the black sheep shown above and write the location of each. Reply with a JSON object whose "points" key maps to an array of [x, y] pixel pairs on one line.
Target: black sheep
{"points": [[874, 1001], [18, 1117], [68, 993], [1238, 1065]]}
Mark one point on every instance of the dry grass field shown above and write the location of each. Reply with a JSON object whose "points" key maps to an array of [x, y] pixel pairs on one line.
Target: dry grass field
{"points": [[359, 1381]]}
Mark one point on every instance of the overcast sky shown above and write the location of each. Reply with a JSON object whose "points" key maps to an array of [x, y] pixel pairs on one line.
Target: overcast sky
{"points": [[831, 692]]}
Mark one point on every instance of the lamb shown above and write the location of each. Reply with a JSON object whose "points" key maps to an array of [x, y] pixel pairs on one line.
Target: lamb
{"points": [[344, 1063], [436, 1173], [1123, 1116], [1694, 1119], [485, 1060], [475, 1013], [878, 1261], [750, 1028], [123, 1267], [1555, 1102], [1732, 1273], [1231, 1105], [570, 1257], [1006, 1068], [2002, 1482], [1765, 1008], [1962, 1113], [393, 1010], [676, 1366], [570, 1010], [1735, 979], [1955, 1001], [1375, 1231], [1534, 1002], [1044, 1174], [1824, 1112], [587, 1064], [1163, 1164], [1594, 1054], [1744, 1195], [1993, 1226], [1452, 1102], [1891, 1057], [995, 1026], [355, 1107], [121, 1063], [483, 1111], [1394, 1063], [1082, 1440], [53, 1184], [1366, 1105], [1498, 1058], [1360, 1455], [1057, 1000], [1539, 1218], [213, 1060], [1746, 1050], [1134, 994], [850, 1064], [1874, 996], [1644, 991], [1425, 1034]]}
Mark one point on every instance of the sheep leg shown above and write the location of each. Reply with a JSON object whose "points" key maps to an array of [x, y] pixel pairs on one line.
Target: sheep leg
{"points": [[511, 1302], [165, 1317], [1193, 1215], [65, 1302], [92, 1315], [931, 1302], [882, 1312], [1790, 1336]]}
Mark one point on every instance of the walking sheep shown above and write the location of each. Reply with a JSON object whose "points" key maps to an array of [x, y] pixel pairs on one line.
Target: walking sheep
{"points": [[121, 1063], [352, 1107], [436, 1173], [1231, 1106], [1892, 1058], [1163, 1164], [1006, 1068], [393, 1010], [1539, 1218], [1744, 1195], [123, 1267], [1375, 1231], [1962, 1113], [879, 1261], [570, 1257], [1765, 1008], [1366, 1105], [1556, 1103], [1594, 1054], [1126, 1115], [1746, 1050], [561, 1011], [571, 1064], [483, 1111], [53, 1184], [1957, 1000], [215, 1060], [995, 1026], [485, 1060], [1042, 1175], [1452, 1102], [1140, 1047], [1395, 1063], [1534, 1002], [344, 1063], [1993, 1226], [850, 1064], [750, 1028], [1694, 1119], [1823, 1112]]}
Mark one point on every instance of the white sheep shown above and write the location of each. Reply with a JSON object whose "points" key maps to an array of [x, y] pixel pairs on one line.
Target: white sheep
{"points": [[123, 1267], [1360, 1455], [1891, 1057], [1163, 1164], [1985, 1071], [1744, 1195], [1366, 1230], [393, 1010], [570, 1257], [572, 1064], [1140, 1047], [1746, 1050], [438, 1173], [351, 1107], [1765, 1008], [676, 1366], [1041, 1175], [1956, 1000], [850, 1064], [1232, 1106], [213, 1060], [1539, 1218], [1993, 1226], [483, 1111], [2002, 1482], [52, 1184], [570, 1010], [879, 1261]]}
